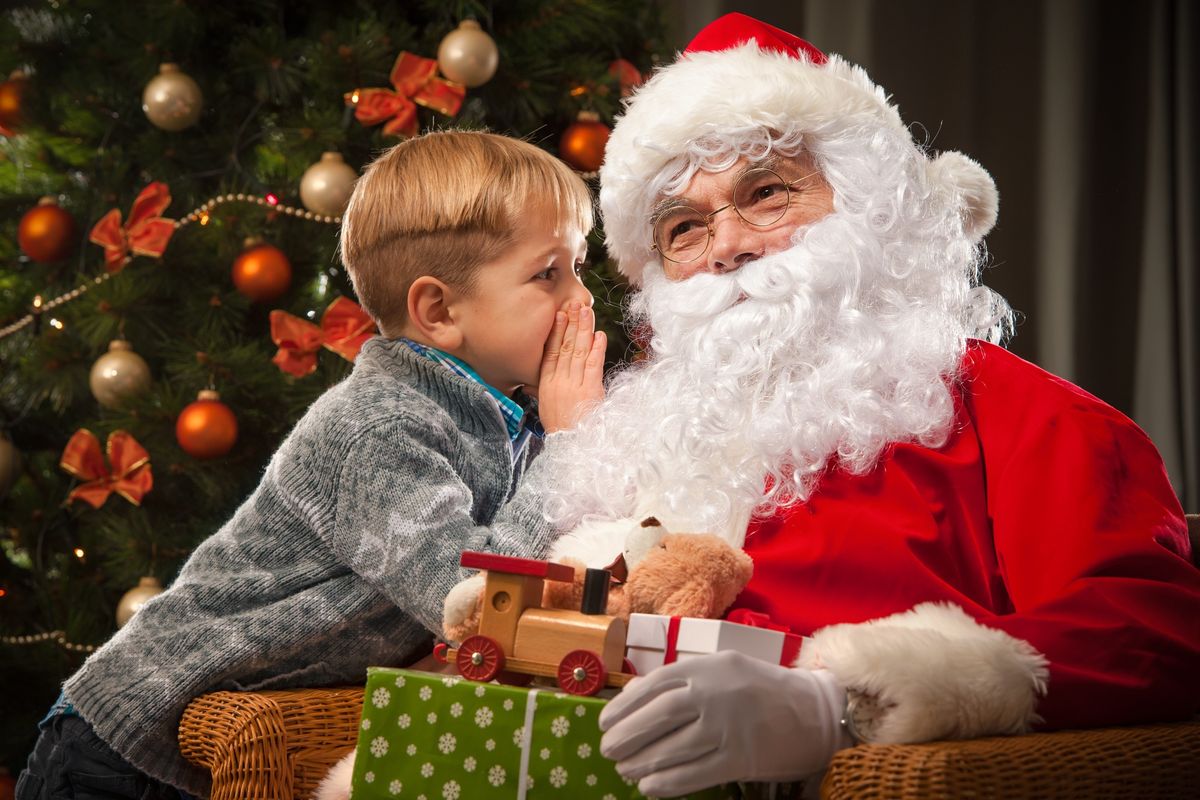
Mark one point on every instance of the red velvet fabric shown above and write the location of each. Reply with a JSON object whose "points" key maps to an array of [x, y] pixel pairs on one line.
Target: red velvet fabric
{"points": [[1048, 515], [731, 30]]}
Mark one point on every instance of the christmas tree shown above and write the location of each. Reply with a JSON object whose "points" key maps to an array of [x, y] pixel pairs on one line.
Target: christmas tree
{"points": [[171, 176]]}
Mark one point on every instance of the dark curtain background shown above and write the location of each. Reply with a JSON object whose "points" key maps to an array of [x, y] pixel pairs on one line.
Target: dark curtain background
{"points": [[1085, 112]]}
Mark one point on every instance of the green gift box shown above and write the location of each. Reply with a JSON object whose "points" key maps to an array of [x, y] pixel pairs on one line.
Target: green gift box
{"points": [[442, 737]]}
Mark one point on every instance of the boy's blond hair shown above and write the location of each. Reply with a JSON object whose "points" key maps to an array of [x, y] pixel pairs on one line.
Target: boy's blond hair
{"points": [[443, 204]]}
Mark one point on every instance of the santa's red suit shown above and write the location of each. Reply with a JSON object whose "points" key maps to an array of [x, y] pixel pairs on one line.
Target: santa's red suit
{"points": [[1047, 515]]}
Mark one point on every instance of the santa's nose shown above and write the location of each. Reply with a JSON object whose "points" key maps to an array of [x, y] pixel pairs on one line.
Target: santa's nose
{"points": [[734, 244]]}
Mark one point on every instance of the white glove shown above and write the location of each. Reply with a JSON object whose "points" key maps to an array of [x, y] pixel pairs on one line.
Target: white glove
{"points": [[720, 718]]}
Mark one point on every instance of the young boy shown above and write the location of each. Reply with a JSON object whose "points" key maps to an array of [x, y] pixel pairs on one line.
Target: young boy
{"points": [[465, 248]]}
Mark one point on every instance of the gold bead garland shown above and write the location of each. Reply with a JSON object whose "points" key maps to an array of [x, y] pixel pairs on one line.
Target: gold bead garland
{"points": [[197, 215], [53, 636]]}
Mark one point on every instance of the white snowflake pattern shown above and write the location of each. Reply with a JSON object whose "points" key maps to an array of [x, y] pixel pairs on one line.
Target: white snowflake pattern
{"points": [[628, 781], [426, 770], [411, 749], [447, 743], [404, 721], [612, 797], [480, 691], [431, 717], [469, 764], [560, 726], [450, 790], [483, 716], [590, 780], [496, 775], [381, 697], [366, 724], [558, 777], [400, 681], [544, 753], [489, 745], [561, 695], [456, 710], [425, 693], [508, 704], [422, 797], [379, 746], [395, 787], [580, 711], [518, 735], [369, 777], [528, 782], [450, 680], [585, 750]]}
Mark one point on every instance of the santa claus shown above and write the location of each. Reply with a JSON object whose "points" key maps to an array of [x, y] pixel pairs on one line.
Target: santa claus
{"points": [[973, 545]]}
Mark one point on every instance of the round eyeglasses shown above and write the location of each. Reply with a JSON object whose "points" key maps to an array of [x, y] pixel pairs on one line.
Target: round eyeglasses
{"points": [[760, 197]]}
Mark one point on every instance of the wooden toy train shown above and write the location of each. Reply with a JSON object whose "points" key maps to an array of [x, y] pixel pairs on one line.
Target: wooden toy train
{"points": [[583, 650]]}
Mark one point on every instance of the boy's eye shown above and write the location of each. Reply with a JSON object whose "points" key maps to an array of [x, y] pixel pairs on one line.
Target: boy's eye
{"points": [[545, 274], [581, 267]]}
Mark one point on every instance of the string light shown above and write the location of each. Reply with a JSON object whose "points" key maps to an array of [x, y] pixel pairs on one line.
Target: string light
{"points": [[56, 323], [78, 551], [52, 636], [354, 98], [200, 215]]}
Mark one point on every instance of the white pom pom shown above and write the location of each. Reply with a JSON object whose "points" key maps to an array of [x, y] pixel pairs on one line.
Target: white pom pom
{"points": [[973, 185]]}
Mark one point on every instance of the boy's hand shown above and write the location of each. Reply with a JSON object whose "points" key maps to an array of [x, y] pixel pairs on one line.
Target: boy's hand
{"points": [[572, 376]]}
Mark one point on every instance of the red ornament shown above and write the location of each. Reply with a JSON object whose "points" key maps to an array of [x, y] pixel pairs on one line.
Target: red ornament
{"points": [[47, 232], [627, 75], [206, 428], [582, 143], [262, 272], [14, 96]]}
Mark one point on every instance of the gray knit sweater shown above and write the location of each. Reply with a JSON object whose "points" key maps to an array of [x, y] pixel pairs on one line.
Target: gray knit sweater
{"points": [[340, 559]]}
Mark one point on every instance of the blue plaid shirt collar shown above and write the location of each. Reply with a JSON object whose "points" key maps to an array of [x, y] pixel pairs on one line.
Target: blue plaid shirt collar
{"points": [[511, 411]]}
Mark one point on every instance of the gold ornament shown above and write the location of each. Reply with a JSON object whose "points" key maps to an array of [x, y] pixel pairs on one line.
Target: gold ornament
{"points": [[118, 375], [172, 100], [326, 185], [47, 232], [262, 272], [10, 464], [582, 143], [206, 428], [468, 55], [133, 600]]}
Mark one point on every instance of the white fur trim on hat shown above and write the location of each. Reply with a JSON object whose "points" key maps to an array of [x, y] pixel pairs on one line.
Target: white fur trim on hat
{"points": [[933, 673], [743, 88]]}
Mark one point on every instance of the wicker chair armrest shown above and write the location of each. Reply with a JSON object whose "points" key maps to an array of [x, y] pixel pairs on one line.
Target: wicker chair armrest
{"points": [[273, 745], [1151, 761]]}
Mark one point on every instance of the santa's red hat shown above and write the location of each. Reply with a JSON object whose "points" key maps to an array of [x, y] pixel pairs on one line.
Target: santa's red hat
{"points": [[740, 73]]}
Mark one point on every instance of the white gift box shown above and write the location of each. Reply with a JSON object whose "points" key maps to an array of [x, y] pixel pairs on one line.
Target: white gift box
{"points": [[648, 644]]}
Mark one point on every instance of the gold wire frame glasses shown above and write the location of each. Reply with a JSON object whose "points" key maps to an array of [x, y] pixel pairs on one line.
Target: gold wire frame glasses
{"points": [[760, 197]]}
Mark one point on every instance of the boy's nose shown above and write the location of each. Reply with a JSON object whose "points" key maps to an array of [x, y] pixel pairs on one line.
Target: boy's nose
{"points": [[580, 292]]}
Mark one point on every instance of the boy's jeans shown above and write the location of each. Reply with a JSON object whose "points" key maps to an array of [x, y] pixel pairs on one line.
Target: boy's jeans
{"points": [[70, 762]]}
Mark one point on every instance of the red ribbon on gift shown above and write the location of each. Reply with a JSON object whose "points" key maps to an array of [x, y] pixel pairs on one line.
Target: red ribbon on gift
{"points": [[129, 476], [417, 83], [146, 233], [758, 619], [344, 327]]}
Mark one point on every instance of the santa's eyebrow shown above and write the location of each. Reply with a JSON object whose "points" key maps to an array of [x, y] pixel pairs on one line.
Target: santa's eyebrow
{"points": [[664, 205]]}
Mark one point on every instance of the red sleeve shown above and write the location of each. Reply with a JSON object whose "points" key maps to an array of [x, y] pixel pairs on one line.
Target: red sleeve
{"points": [[1092, 546]]}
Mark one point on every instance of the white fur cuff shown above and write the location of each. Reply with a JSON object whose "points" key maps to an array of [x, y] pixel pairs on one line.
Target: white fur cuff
{"points": [[933, 673]]}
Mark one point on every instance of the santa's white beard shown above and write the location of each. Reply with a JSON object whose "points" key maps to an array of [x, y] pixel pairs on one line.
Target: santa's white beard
{"points": [[809, 359]]}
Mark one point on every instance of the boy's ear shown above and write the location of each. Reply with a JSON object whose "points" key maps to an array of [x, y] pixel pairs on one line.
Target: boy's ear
{"points": [[429, 302]]}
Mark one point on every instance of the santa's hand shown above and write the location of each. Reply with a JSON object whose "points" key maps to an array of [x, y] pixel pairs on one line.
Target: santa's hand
{"points": [[571, 380], [719, 718]]}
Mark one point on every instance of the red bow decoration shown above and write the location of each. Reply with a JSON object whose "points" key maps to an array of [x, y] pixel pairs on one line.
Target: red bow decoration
{"points": [[130, 476], [416, 82], [344, 328], [759, 619], [146, 233]]}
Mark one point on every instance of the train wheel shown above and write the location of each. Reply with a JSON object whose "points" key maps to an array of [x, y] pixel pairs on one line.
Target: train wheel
{"points": [[479, 658], [627, 667], [581, 672]]}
